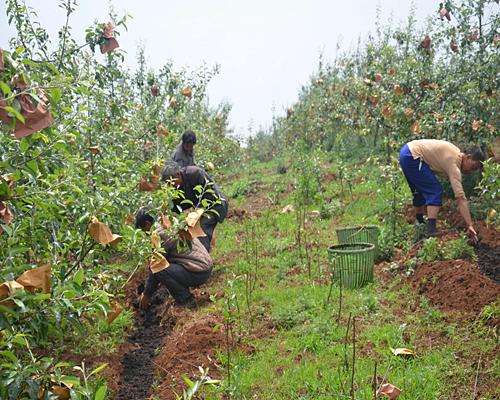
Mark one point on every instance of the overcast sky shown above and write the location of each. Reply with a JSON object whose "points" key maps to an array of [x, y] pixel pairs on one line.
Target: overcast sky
{"points": [[266, 48]]}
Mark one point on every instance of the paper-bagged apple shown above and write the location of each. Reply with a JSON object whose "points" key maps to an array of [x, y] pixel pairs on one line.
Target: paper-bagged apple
{"points": [[36, 278], [101, 233], [109, 43]]}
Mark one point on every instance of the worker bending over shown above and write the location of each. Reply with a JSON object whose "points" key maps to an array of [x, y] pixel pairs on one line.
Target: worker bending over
{"points": [[420, 160]]}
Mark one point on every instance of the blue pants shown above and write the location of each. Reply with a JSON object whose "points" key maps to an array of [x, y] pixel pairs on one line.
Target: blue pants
{"points": [[423, 183]]}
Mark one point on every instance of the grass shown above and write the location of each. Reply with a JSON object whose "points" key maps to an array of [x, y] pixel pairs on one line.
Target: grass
{"points": [[300, 347]]}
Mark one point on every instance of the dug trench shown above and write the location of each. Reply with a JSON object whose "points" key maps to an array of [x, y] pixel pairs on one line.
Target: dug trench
{"points": [[165, 344], [138, 368]]}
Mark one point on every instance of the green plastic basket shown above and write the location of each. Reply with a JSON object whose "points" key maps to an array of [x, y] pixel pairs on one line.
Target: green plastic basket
{"points": [[359, 234], [352, 264]]}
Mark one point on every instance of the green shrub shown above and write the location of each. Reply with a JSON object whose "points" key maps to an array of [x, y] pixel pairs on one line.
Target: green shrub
{"points": [[330, 209], [240, 188]]}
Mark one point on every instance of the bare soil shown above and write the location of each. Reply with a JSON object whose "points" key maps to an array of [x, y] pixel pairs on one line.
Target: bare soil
{"points": [[456, 285]]}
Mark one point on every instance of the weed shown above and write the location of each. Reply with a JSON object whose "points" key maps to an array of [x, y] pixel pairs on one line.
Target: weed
{"points": [[458, 249], [430, 251]]}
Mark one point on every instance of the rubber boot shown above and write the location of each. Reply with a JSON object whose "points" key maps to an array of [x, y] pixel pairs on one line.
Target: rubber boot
{"points": [[431, 228]]}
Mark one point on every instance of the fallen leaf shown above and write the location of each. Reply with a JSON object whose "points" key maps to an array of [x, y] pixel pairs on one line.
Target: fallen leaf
{"points": [[392, 71], [116, 310], [210, 166], [403, 352], [389, 390], [158, 263], [101, 233], [36, 278]]}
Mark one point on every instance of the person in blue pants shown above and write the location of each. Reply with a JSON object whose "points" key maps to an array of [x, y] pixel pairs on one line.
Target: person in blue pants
{"points": [[420, 160]]}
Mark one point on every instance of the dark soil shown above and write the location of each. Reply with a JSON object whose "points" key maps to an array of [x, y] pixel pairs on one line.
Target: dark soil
{"points": [[138, 366], [456, 285], [488, 260]]}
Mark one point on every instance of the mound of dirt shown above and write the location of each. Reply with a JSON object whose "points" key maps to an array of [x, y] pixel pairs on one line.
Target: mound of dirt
{"points": [[189, 346], [455, 285]]}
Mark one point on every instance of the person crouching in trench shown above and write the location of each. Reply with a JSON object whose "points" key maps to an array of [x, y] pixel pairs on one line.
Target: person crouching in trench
{"points": [[189, 267]]}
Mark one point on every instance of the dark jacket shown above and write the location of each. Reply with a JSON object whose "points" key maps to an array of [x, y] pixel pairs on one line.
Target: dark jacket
{"points": [[181, 157], [194, 176]]}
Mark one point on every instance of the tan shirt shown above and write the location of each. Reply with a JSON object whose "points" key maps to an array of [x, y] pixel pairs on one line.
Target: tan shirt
{"points": [[195, 260], [443, 158]]}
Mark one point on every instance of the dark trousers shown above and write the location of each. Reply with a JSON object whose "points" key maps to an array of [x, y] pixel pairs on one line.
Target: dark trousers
{"points": [[178, 280], [209, 222]]}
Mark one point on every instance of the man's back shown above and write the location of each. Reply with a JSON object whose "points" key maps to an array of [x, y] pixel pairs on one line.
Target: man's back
{"points": [[181, 157]]}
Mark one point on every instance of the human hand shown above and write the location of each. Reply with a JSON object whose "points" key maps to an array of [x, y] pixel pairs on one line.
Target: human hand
{"points": [[471, 232], [144, 302]]}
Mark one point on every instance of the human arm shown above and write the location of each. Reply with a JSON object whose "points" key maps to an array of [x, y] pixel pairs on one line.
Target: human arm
{"points": [[463, 208], [455, 177]]}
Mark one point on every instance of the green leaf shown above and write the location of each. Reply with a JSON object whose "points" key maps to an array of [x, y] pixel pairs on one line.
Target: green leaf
{"points": [[101, 393], [20, 304], [98, 369], [15, 113], [79, 277], [8, 354], [60, 145], [24, 144], [55, 95], [70, 380], [5, 88], [33, 166]]}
